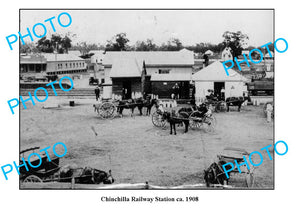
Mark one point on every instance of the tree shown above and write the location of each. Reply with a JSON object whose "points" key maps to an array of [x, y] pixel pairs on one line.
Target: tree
{"points": [[145, 46], [57, 42], [237, 41], [118, 43], [44, 45], [173, 44], [29, 47]]}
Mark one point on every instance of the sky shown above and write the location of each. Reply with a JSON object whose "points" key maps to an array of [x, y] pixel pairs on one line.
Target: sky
{"points": [[190, 26]]}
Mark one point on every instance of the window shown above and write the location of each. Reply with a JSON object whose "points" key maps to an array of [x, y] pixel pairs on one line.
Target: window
{"points": [[66, 65], [164, 71], [70, 65], [76, 64], [73, 65]]}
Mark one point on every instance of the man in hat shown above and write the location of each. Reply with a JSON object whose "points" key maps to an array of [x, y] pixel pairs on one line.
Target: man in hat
{"points": [[97, 92]]}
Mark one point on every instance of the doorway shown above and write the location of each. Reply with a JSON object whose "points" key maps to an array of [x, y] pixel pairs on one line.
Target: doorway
{"points": [[217, 89], [126, 91]]}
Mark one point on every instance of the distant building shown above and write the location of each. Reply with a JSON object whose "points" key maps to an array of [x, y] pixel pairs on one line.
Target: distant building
{"points": [[64, 64], [226, 54], [123, 71], [34, 63], [209, 52], [52, 64]]}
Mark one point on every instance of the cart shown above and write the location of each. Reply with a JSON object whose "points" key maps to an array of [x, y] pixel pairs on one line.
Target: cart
{"points": [[157, 119], [45, 171], [230, 155], [207, 121], [107, 109]]}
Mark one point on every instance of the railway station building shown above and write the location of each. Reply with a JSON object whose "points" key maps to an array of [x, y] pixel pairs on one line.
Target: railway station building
{"points": [[161, 70]]}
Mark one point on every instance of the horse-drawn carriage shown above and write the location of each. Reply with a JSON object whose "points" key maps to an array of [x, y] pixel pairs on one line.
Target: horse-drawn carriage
{"points": [[195, 116], [107, 108], [47, 169], [215, 173]]}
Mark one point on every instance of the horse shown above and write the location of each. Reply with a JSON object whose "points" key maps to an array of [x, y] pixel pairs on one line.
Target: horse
{"points": [[235, 101], [97, 108], [173, 120], [86, 175], [126, 104], [148, 103], [215, 174]]}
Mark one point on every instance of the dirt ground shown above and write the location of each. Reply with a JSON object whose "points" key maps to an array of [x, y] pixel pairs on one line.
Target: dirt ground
{"points": [[136, 151]]}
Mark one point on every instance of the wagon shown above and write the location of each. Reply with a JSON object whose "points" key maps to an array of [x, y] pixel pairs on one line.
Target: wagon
{"points": [[107, 109], [230, 154], [157, 119], [216, 105], [208, 121], [45, 170]]}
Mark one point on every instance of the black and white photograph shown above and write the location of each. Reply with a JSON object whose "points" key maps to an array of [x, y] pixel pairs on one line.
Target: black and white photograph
{"points": [[147, 99], [148, 109]]}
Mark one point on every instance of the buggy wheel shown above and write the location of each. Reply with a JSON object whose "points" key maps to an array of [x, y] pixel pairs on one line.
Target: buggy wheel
{"points": [[157, 120], [195, 120], [33, 179], [221, 106], [210, 123], [107, 110]]}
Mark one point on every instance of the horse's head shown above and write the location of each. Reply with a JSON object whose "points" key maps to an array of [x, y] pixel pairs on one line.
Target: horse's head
{"points": [[101, 176], [109, 179], [166, 115], [209, 175]]}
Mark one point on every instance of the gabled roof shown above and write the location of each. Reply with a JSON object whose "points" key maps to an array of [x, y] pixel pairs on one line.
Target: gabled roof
{"points": [[125, 67], [216, 72], [151, 58]]}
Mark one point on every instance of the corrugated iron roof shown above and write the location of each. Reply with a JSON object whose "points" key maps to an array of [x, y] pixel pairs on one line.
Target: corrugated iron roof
{"points": [[61, 57], [152, 58], [33, 59], [125, 67], [216, 72]]}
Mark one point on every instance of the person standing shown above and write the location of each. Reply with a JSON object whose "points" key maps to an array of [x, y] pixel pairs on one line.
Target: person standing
{"points": [[97, 92], [176, 91], [223, 94]]}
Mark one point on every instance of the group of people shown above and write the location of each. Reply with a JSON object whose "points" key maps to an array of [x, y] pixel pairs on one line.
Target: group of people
{"points": [[211, 95]]}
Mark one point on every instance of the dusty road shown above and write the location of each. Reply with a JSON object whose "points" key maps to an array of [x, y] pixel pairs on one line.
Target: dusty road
{"points": [[136, 151]]}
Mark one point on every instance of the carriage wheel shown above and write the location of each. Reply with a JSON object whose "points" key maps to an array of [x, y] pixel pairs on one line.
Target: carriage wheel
{"points": [[195, 120], [221, 106], [33, 179], [157, 120], [107, 110], [210, 123]]}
